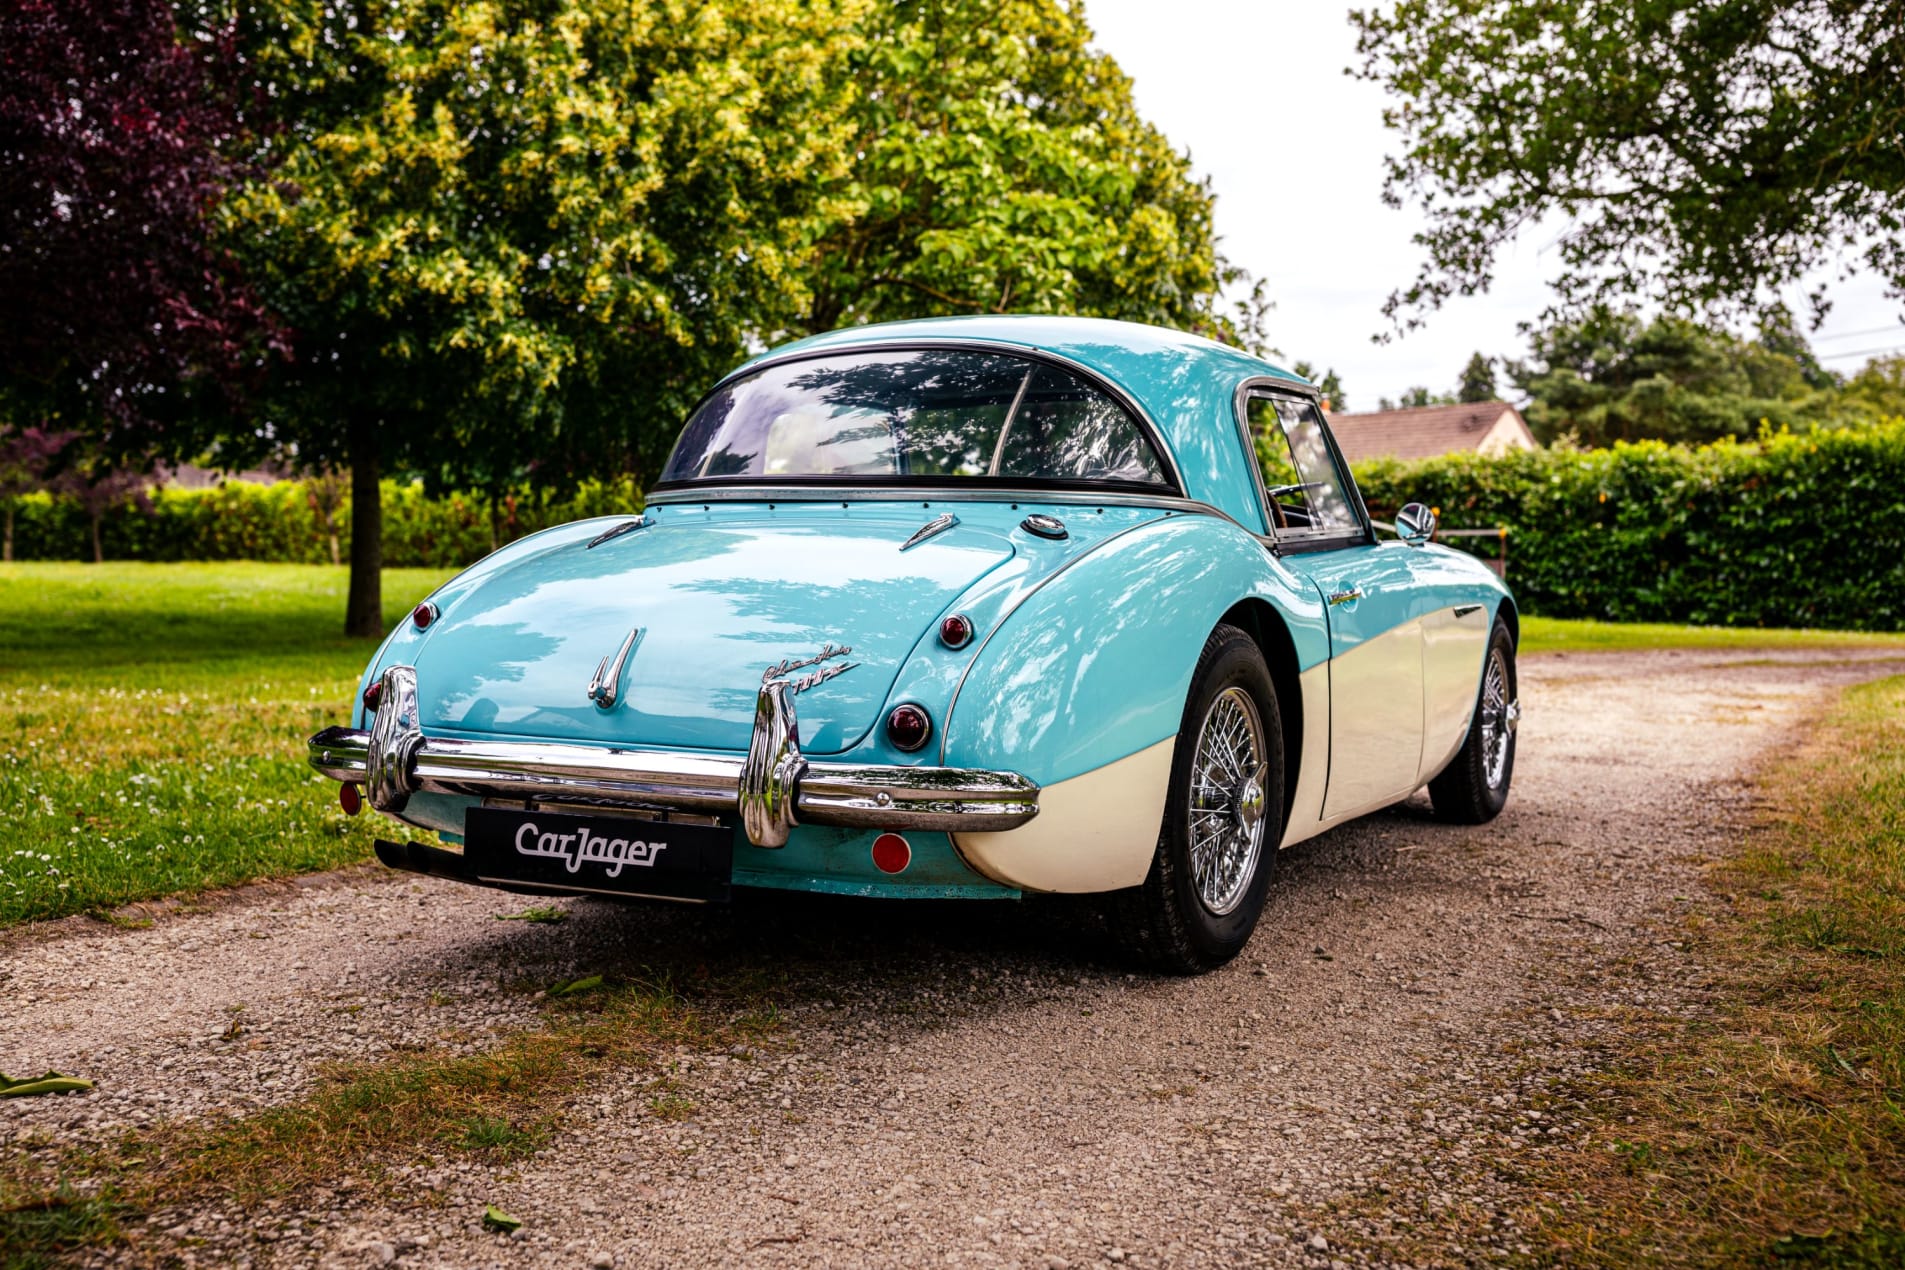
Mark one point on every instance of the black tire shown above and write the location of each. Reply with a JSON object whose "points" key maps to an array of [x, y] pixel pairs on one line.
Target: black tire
{"points": [[1470, 790], [1166, 924]]}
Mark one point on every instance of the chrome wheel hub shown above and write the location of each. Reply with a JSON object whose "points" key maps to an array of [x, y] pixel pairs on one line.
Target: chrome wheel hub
{"points": [[1500, 719], [1228, 805]]}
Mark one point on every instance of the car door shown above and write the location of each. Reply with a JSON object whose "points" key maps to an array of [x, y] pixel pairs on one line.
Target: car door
{"points": [[1320, 531]]}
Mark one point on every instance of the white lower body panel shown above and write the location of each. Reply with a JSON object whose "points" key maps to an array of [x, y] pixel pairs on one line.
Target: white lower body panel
{"points": [[1095, 832]]}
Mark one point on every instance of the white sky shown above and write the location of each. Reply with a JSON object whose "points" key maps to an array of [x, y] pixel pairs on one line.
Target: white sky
{"points": [[1294, 148]]}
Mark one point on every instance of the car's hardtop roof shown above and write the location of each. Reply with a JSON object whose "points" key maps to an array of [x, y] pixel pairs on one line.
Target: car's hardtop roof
{"points": [[1184, 382], [1130, 354]]}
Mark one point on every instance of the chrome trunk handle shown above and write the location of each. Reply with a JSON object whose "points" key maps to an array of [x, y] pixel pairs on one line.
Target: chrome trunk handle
{"points": [[605, 686]]}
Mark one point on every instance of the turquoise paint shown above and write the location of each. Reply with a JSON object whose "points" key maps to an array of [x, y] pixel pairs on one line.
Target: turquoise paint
{"points": [[1186, 383], [840, 861], [401, 645], [1399, 583], [816, 858], [1141, 607], [1083, 648], [719, 596]]}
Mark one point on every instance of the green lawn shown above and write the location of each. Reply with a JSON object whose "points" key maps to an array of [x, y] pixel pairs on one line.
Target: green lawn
{"points": [[152, 720], [1552, 635]]}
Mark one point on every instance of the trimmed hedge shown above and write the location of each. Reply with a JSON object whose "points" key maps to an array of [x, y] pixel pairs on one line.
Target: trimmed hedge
{"points": [[1802, 529], [1795, 529], [244, 521]]}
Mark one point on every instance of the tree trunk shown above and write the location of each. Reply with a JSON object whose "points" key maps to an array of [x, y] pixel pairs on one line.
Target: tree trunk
{"points": [[99, 549], [6, 553], [364, 610]]}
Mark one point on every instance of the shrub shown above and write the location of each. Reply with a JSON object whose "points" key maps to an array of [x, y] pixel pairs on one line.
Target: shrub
{"points": [[1789, 530], [244, 521]]}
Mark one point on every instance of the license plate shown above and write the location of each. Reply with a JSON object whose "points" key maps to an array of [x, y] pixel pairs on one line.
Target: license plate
{"points": [[610, 855]]}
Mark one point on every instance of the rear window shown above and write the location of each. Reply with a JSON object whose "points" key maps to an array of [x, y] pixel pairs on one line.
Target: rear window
{"points": [[921, 414]]}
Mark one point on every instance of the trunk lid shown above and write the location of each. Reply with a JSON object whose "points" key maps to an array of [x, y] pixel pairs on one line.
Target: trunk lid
{"points": [[720, 594]]}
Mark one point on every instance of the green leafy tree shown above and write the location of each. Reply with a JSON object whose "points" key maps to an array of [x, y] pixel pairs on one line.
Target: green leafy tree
{"points": [[1614, 376], [1779, 334], [517, 238], [521, 235], [1478, 380], [1876, 392], [1001, 166], [1701, 154], [1329, 384], [1415, 398]]}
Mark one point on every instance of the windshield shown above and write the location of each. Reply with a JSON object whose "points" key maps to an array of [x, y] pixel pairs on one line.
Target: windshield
{"points": [[925, 414]]}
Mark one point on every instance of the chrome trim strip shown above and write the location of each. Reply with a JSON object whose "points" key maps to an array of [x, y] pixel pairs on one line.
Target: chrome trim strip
{"points": [[931, 529], [923, 494], [1265, 385], [1153, 433]]}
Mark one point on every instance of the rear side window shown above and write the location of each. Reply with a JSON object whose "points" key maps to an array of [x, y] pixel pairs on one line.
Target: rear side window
{"points": [[919, 414], [1307, 492]]}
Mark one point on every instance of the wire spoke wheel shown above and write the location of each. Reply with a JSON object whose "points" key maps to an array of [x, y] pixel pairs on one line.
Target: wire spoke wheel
{"points": [[1500, 714], [1227, 800]]}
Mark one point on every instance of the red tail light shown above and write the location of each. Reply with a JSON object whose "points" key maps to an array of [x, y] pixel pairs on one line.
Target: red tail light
{"points": [[373, 694], [423, 615], [956, 631], [908, 727]]}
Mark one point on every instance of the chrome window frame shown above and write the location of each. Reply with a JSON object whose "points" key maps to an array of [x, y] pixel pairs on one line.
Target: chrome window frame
{"points": [[1298, 540], [1147, 426]]}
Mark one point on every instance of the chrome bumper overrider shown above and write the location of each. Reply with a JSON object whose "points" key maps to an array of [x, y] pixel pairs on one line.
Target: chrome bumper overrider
{"points": [[773, 789]]}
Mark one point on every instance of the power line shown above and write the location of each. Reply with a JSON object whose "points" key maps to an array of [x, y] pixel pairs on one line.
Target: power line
{"points": [[1863, 352], [1847, 335]]}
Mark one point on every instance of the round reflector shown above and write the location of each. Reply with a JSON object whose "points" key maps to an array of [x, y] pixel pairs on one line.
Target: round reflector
{"points": [[350, 799], [908, 727], [956, 631], [891, 853], [424, 614], [373, 694]]}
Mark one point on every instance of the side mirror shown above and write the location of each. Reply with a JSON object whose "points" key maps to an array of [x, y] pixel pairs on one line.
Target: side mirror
{"points": [[1415, 524]]}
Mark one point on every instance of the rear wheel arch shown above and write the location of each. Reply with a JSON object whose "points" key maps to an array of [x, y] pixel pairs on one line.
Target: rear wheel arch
{"points": [[1512, 619], [1260, 620]]}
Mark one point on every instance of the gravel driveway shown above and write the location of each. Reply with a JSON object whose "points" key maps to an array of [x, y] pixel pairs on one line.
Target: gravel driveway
{"points": [[977, 1084]]}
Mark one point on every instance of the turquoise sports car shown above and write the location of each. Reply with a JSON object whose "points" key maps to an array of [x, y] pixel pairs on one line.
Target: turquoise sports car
{"points": [[958, 608]]}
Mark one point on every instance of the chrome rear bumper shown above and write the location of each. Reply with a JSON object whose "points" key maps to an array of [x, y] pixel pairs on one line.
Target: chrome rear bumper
{"points": [[772, 789]]}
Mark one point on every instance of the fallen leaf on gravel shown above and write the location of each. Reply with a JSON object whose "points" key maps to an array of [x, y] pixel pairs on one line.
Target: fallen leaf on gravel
{"points": [[495, 1218], [538, 915], [588, 983], [51, 1083]]}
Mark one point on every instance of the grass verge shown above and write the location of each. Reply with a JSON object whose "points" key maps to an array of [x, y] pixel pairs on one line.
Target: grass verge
{"points": [[1771, 1130], [363, 1121], [152, 720], [1562, 635]]}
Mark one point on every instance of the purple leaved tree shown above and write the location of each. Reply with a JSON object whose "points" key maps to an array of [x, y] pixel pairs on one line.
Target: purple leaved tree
{"points": [[118, 136], [27, 458], [100, 486]]}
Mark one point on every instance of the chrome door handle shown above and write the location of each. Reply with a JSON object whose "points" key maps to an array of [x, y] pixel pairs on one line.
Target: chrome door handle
{"points": [[1346, 597]]}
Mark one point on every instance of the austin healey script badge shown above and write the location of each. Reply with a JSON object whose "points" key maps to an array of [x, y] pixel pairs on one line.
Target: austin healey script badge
{"points": [[800, 683]]}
